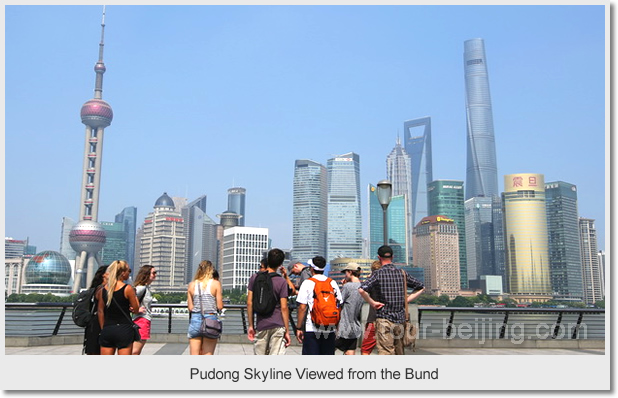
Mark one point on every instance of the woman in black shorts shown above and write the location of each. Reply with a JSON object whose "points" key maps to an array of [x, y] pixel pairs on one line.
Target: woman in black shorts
{"points": [[116, 300], [93, 329]]}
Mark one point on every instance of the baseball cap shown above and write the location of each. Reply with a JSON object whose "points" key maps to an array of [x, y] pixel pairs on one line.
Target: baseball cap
{"points": [[351, 267], [385, 251], [293, 262], [315, 267]]}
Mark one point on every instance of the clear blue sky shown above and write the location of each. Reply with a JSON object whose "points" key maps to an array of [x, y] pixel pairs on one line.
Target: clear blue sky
{"points": [[210, 97]]}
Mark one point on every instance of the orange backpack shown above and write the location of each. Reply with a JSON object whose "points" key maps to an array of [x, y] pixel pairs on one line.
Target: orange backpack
{"points": [[325, 311]]}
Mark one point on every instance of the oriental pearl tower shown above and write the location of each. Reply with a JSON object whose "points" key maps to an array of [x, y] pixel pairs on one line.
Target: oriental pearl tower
{"points": [[88, 236]]}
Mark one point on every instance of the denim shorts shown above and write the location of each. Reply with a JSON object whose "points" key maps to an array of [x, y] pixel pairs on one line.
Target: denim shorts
{"points": [[195, 323]]}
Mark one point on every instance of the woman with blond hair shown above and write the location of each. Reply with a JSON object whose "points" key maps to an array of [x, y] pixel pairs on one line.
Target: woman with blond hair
{"points": [[115, 301], [146, 275], [204, 299]]}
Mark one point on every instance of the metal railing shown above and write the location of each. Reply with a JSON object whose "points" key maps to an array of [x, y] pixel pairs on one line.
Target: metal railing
{"points": [[52, 319]]}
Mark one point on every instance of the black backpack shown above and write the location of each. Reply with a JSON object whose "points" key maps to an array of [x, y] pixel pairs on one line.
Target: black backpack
{"points": [[264, 300], [83, 308]]}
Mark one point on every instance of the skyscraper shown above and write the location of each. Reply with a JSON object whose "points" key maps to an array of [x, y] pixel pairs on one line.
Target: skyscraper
{"points": [[481, 170], [436, 244], [310, 210], [65, 245], [446, 197], [243, 248], [564, 248], [396, 224], [163, 245], [399, 173], [526, 237], [128, 217], [345, 235], [87, 236], [194, 214], [594, 289], [479, 237], [236, 202], [417, 140], [116, 242]]}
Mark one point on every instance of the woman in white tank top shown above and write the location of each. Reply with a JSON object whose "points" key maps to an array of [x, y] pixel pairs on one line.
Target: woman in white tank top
{"points": [[203, 291]]}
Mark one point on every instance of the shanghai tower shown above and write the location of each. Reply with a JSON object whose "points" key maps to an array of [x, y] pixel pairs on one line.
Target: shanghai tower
{"points": [[87, 237], [481, 170]]}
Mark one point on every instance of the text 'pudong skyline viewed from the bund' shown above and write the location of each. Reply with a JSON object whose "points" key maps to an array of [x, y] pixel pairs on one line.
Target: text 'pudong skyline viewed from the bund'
{"points": [[209, 98]]}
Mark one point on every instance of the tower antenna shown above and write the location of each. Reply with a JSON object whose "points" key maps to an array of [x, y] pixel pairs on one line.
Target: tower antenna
{"points": [[99, 68]]}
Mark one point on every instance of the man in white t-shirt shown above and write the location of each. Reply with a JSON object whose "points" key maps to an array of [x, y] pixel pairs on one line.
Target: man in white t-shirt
{"points": [[316, 341]]}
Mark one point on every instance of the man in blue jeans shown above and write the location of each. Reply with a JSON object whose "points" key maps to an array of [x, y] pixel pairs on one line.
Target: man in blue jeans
{"points": [[316, 341]]}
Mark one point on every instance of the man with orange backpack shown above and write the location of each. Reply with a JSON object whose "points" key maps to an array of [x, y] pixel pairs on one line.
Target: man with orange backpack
{"points": [[319, 300]]}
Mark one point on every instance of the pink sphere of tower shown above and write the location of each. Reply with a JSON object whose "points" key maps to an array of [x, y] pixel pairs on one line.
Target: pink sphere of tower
{"points": [[97, 113]]}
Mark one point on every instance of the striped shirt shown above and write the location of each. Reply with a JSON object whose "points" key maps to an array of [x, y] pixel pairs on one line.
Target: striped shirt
{"points": [[205, 298], [386, 286]]}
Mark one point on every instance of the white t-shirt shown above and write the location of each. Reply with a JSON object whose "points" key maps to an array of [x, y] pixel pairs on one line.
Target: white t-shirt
{"points": [[305, 296]]}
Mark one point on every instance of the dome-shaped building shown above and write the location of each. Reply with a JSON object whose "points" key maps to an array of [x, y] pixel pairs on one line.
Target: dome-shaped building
{"points": [[164, 201], [47, 272]]}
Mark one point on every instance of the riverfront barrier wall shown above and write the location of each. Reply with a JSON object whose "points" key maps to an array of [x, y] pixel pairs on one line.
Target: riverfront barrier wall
{"points": [[33, 324]]}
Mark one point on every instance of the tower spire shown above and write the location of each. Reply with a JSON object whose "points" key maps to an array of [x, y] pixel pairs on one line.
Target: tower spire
{"points": [[99, 68]]}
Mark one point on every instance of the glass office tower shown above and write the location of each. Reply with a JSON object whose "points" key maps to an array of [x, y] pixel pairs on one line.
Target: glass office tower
{"points": [[564, 247], [396, 224], [446, 197], [310, 210], [345, 235], [481, 170], [399, 173], [236, 202], [417, 140], [128, 217], [115, 247]]}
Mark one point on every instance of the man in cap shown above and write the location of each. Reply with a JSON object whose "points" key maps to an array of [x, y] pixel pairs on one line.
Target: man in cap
{"points": [[295, 267], [316, 340], [387, 286]]}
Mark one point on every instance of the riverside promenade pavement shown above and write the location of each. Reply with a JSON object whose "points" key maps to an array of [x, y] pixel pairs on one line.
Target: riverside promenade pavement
{"points": [[295, 349]]}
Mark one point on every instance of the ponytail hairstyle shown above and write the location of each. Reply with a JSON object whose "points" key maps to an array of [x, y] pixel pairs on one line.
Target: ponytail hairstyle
{"points": [[204, 272], [143, 276], [114, 272], [357, 272]]}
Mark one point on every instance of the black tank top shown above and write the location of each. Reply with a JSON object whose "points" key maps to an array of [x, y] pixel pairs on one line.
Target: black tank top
{"points": [[113, 314]]}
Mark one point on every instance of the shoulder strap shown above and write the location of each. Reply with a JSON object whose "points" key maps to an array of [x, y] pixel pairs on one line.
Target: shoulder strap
{"points": [[120, 308], [405, 295], [140, 298], [199, 290]]}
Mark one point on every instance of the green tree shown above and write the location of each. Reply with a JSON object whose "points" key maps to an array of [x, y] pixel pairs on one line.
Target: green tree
{"points": [[444, 299], [600, 304], [460, 301], [426, 299]]}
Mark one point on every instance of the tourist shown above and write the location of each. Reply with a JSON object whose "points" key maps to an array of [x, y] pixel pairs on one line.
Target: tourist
{"points": [[115, 301], [369, 336], [388, 284], [204, 296], [146, 275], [349, 329], [316, 339], [272, 323], [93, 329]]}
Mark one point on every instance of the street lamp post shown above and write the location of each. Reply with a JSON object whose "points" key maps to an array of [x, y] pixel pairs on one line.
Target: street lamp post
{"points": [[385, 191]]}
